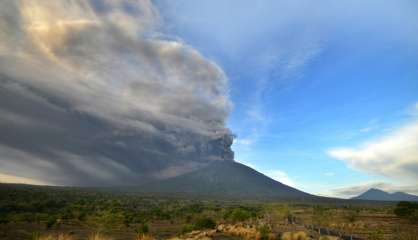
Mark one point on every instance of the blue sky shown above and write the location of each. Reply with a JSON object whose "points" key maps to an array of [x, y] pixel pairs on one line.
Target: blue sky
{"points": [[322, 95], [310, 78]]}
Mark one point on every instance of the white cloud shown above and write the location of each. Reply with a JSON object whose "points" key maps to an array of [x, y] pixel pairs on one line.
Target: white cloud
{"points": [[394, 155], [247, 164], [281, 176], [275, 174]]}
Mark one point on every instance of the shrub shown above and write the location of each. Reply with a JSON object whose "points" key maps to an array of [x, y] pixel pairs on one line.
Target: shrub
{"points": [[204, 223], [187, 228], [35, 236], [106, 219], [240, 215], [264, 232], [50, 222], [4, 220], [376, 235], [407, 210], [143, 229]]}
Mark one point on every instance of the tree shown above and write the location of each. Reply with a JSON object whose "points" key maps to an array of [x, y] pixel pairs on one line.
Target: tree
{"points": [[408, 210], [281, 213], [351, 216], [319, 217]]}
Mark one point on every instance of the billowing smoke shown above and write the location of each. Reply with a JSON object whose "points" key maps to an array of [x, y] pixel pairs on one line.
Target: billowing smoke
{"points": [[92, 94]]}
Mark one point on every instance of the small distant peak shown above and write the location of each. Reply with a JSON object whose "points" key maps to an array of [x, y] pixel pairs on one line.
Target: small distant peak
{"points": [[380, 195]]}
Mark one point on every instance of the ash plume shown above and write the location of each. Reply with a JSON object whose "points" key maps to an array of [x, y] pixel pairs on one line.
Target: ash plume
{"points": [[92, 94]]}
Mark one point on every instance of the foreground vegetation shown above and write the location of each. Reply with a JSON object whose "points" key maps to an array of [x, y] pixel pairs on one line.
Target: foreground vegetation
{"points": [[49, 213]]}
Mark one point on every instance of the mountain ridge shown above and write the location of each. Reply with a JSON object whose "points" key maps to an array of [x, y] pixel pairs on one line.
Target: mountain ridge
{"points": [[380, 195], [226, 179]]}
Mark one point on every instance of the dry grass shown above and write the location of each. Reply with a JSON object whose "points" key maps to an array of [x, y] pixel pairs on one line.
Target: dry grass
{"points": [[246, 232], [98, 236], [144, 237], [295, 236], [55, 237], [328, 238]]}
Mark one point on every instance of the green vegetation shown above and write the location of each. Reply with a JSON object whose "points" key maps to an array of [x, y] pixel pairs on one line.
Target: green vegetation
{"points": [[241, 214], [204, 223], [376, 235], [142, 229], [264, 231], [73, 213], [408, 210]]}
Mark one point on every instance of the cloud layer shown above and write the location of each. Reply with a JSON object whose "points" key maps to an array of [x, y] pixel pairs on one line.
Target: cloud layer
{"points": [[92, 94], [394, 155]]}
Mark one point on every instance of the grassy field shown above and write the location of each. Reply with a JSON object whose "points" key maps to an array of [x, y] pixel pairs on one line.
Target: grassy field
{"points": [[48, 213]]}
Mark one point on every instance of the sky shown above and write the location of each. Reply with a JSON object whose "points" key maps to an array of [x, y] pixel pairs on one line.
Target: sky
{"points": [[324, 93], [322, 96]]}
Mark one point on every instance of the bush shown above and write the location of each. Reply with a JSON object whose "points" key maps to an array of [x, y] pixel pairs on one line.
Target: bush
{"points": [[187, 228], [50, 222], [143, 229], [407, 210], [264, 232], [376, 235], [35, 236], [204, 223], [238, 215]]}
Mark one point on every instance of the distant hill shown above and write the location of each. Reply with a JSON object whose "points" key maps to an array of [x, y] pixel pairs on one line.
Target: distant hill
{"points": [[379, 195], [226, 179]]}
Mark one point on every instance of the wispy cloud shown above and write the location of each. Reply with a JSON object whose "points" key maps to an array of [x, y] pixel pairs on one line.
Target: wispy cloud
{"points": [[393, 155], [371, 125]]}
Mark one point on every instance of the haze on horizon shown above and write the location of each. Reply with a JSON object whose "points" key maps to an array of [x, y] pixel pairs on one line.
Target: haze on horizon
{"points": [[321, 96]]}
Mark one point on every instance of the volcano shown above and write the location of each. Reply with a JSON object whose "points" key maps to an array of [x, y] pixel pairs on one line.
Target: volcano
{"points": [[226, 179]]}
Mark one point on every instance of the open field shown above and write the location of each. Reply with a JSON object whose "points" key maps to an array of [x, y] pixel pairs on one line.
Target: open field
{"points": [[28, 212]]}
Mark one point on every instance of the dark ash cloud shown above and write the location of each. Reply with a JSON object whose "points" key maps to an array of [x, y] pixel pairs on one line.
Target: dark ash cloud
{"points": [[91, 94]]}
